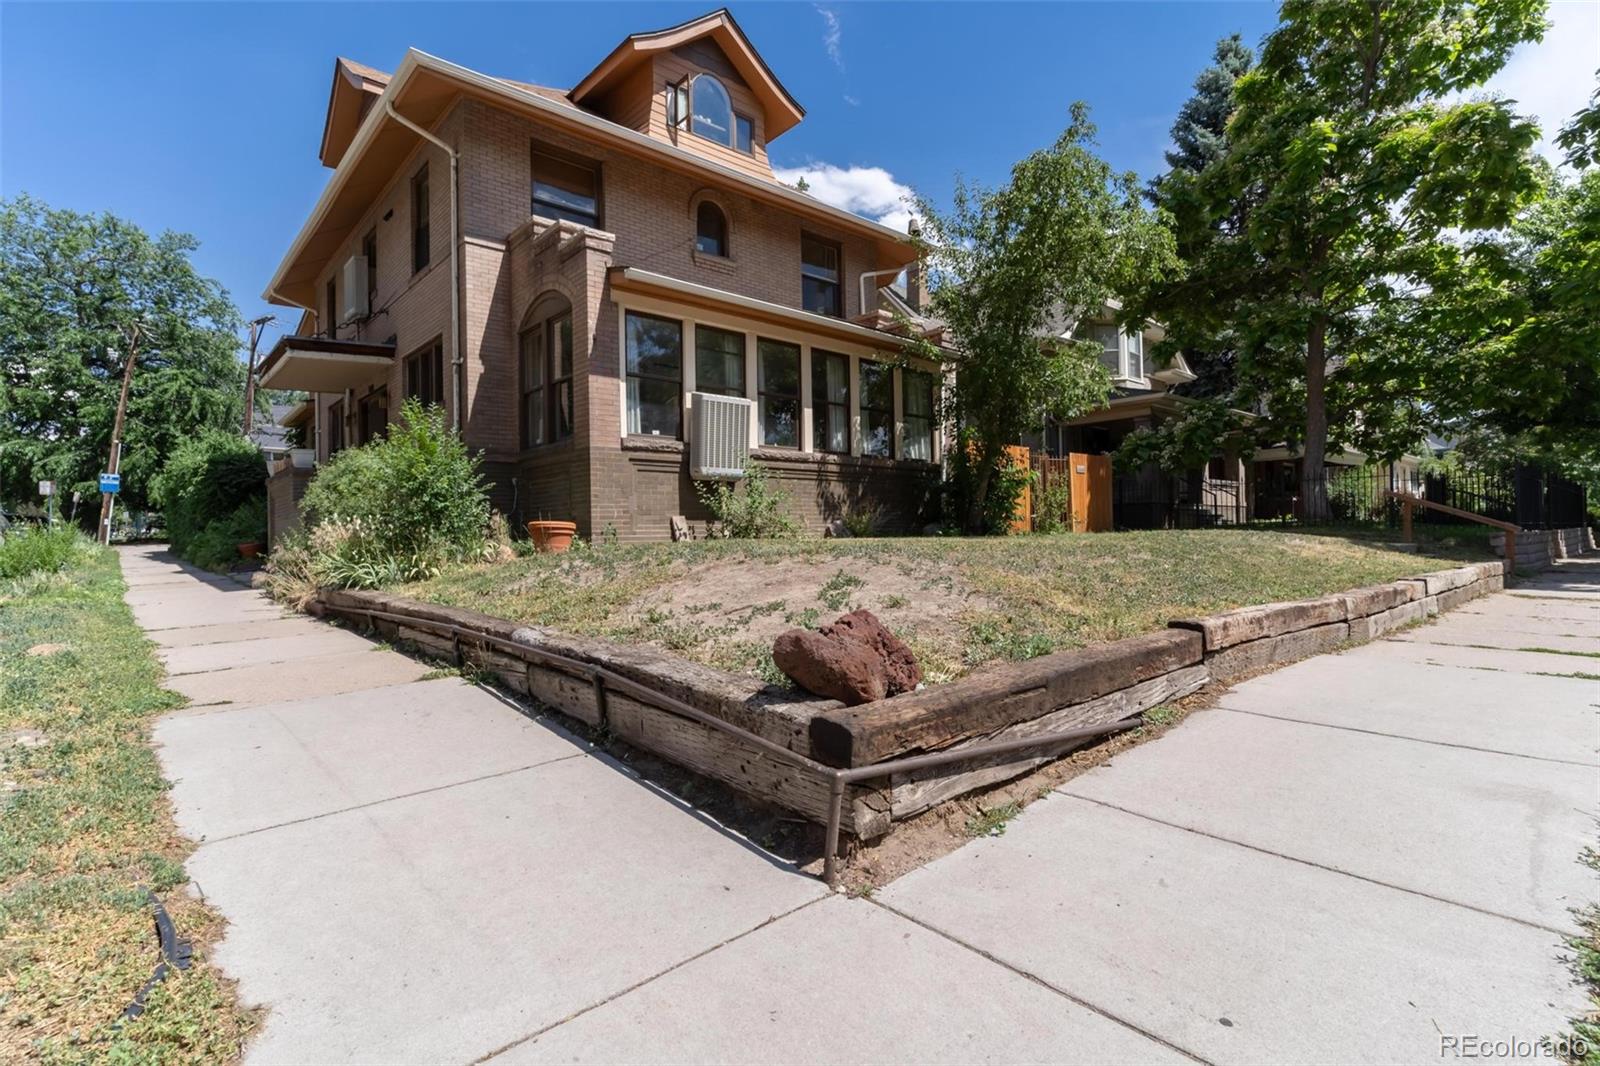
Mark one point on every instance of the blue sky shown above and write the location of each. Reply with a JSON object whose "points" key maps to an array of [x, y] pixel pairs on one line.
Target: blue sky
{"points": [[206, 117]]}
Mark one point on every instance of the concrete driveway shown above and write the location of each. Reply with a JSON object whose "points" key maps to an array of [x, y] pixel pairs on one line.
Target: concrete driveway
{"points": [[1346, 860]]}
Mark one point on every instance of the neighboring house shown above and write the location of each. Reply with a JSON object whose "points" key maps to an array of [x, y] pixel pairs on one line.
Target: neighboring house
{"points": [[275, 437], [1229, 489], [582, 277]]}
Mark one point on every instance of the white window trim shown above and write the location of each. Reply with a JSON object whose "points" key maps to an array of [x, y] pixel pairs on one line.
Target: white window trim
{"points": [[692, 317]]}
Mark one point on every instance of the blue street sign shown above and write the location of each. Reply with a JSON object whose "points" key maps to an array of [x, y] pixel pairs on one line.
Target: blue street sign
{"points": [[110, 482]]}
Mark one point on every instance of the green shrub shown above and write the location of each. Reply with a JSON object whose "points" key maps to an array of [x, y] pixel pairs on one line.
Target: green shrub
{"points": [[416, 491], [759, 512], [40, 550], [397, 509], [863, 522], [1051, 513], [216, 546], [206, 483], [1006, 486]]}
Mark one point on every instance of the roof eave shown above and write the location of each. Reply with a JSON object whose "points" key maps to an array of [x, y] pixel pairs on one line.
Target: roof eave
{"points": [[415, 59]]}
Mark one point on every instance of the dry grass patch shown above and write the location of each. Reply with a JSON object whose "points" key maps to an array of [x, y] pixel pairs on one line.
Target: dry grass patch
{"points": [[959, 602], [85, 833]]}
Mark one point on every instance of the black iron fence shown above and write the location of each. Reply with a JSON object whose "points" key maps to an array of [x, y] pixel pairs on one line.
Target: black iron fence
{"points": [[1276, 492]]}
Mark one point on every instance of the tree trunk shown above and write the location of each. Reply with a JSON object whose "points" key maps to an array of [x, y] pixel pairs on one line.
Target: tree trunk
{"points": [[980, 490], [1314, 482]]}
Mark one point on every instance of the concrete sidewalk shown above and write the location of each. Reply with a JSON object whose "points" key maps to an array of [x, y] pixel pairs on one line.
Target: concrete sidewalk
{"points": [[1344, 860]]}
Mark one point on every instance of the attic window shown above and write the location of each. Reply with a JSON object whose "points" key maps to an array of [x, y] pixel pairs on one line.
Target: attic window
{"points": [[711, 110]]}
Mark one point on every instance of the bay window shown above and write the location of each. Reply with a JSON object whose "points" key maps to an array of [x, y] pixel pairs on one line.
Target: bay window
{"points": [[655, 375], [877, 409], [778, 393], [916, 390], [830, 402], [718, 361]]}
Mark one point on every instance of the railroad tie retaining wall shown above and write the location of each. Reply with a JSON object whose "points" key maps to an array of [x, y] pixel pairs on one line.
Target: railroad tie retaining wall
{"points": [[1251, 639], [1087, 686]]}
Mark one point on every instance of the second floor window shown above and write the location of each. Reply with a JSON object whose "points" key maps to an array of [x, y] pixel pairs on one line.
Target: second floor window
{"points": [[711, 229], [425, 374], [819, 276], [565, 187], [718, 361], [778, 366], [877, 409], [421, 236], [655, 375], [369, 250], [830, 402]]}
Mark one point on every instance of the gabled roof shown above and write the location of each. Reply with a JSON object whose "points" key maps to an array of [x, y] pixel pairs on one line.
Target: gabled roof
{"points": [[355, 87], [781, 110], [424, 88]]}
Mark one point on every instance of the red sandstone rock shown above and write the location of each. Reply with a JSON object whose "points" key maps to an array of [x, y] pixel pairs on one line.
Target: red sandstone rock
{"points": [[854, 660], [845, 670], [901, 665]]}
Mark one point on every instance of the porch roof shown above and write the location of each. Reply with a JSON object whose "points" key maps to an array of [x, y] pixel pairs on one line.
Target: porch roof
{"points": [[649, 283], [322, 364]]}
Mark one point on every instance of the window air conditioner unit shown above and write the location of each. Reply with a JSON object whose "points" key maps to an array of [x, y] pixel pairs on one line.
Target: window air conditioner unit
{"points": [[719, 439], [354, 283]]}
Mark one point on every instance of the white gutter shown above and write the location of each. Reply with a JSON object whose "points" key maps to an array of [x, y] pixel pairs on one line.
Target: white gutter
{"points": [[865, 274], [457, 359], [570, 114]]}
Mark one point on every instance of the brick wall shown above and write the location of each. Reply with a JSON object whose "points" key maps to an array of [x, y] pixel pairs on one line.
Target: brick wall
{"points": [[509, 261]]}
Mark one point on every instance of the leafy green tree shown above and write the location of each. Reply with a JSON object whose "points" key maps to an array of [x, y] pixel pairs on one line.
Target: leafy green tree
{"points": [[1514, 337], [1063, 236], [70, 286], [1580, 139], [1347, 172]]}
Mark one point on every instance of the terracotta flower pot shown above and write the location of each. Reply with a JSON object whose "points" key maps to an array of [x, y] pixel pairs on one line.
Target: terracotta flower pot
{"points": [[249, 549], [552, 536]]}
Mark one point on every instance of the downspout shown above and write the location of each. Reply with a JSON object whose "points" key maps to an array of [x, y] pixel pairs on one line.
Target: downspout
{"points": [[457, 358], [865, 274]]}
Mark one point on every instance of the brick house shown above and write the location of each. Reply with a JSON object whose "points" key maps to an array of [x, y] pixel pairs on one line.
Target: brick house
{"points": [[572, 273]]}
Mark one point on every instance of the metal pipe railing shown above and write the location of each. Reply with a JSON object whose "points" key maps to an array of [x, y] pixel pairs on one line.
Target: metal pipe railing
{"points": [[838, 778]]}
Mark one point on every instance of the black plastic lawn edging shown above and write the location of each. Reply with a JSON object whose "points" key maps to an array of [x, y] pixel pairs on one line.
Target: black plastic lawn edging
{"points": [[174, 952]]}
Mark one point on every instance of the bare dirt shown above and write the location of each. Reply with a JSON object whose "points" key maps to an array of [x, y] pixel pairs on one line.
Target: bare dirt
{"points": [[752, 601]]}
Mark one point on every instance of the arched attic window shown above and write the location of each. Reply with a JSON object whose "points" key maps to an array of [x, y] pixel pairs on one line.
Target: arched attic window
{"points": [[710, 229], [711, 110]]}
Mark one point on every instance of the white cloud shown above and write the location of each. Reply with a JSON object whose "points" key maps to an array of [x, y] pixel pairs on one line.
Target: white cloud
{"points": [[868, 191], [831, 34], [852, 101], [1552, 79]]}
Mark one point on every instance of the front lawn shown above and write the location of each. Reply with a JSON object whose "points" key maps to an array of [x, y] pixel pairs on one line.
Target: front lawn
{"points": [[959, 602], [85, 831]]}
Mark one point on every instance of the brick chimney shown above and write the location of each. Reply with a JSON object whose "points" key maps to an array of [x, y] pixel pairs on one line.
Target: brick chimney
{"points": [[916, 285]]}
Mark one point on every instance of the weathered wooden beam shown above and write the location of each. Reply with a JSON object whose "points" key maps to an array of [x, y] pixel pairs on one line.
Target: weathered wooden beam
{"points": [[916, 792], [994, 698]]}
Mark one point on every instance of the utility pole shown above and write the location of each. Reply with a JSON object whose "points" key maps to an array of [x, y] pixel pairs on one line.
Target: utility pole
{"points": [[115, 464], [250, 376]]}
